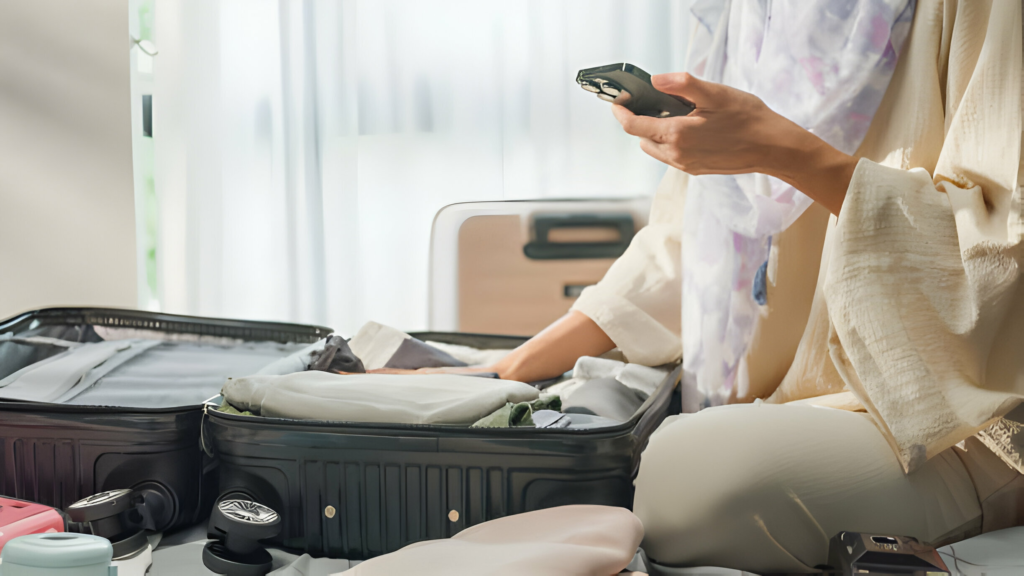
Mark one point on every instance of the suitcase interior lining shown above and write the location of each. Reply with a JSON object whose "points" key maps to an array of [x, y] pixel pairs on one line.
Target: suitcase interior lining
{"points": [[189, 366], [180, 374], [169, 374]]}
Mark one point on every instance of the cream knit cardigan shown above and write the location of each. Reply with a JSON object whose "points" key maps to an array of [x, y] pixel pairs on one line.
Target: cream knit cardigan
{"points": [[918, 312]]}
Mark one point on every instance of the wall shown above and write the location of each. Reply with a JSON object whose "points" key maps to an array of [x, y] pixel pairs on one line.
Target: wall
{"points": [[67, 216]]}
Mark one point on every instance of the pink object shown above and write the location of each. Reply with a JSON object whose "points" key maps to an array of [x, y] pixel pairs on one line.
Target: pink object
{"points": [[18, 518]]}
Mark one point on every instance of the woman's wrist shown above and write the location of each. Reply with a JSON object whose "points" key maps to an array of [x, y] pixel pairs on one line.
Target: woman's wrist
{"points": [[505, 368], [555, 349], [813, 166]]}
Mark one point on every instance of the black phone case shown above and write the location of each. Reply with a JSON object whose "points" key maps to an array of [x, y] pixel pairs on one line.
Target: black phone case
{"points": [[631, 87]]}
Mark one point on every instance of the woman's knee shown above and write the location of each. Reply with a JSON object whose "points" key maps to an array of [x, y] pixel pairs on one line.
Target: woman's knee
{"points": [[698, 478], [724, 485]]}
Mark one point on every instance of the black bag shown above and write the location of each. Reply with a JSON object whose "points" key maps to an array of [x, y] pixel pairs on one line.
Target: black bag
{"points": [[56, 454], [358, 490]]}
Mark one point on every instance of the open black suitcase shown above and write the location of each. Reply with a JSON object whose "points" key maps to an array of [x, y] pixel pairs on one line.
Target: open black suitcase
{"points": [[353, 490], [56, 454], [344, 490]]}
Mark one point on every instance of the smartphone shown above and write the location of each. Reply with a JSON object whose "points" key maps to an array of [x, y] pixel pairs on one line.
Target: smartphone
{"points": [[629, 86]]}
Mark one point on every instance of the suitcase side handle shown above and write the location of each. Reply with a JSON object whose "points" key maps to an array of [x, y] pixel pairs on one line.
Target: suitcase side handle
{"points": [[543, 248]]}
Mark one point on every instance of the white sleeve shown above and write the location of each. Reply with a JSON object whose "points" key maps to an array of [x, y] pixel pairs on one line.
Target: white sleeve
{"points": [[638, 302], [925, 322]]}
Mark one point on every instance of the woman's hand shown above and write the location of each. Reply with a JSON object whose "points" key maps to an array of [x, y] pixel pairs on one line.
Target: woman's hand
{"points": [[547, 355], [734, 132]]}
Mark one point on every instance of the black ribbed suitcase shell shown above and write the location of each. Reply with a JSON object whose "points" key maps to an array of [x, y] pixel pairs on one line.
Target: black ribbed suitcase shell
{"points": [[356, 491], [56, 454]]}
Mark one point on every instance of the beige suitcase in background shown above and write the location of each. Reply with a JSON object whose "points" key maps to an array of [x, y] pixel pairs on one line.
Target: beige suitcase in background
{"points": [[514, 267]]}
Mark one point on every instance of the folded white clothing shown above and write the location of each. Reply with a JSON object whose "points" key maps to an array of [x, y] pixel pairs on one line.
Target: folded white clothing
{"points": [[379, 346], [637, 376], [384, 398], [578, 540]]}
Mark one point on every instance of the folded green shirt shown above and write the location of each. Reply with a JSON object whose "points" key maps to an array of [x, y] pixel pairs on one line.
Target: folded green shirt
{"points": [[229, 409], [520, 413]]}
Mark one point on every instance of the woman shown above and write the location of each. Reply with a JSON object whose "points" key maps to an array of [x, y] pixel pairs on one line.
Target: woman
{"points": [[894, 293]]}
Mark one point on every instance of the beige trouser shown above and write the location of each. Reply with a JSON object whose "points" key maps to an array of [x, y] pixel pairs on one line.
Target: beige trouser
{"points": [[763, 488]]}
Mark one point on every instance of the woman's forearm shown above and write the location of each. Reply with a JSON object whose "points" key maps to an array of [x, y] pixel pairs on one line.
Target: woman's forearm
{"points": [[812, 166], [555, 349]]}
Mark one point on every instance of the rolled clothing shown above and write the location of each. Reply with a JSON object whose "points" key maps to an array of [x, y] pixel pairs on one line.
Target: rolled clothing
{"points": [[444, 399], [578, 540], [605, 397], [763, 488]]}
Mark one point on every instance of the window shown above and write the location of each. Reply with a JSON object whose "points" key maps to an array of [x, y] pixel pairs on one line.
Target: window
{"points": [[300, 149]]}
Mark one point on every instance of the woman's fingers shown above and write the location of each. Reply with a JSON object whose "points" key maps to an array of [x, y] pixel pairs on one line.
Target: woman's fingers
{"points": [[661, 138], [625, 117], [653, 149], [701, 93], [657, 129]]}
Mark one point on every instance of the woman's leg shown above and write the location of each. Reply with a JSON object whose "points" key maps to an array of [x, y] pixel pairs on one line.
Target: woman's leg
{"points": [[764, 487]]}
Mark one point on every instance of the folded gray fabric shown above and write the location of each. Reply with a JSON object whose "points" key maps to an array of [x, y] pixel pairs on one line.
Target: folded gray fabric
{"points": [[605, 397], [550, 419], [384, 398], [380, 346]]}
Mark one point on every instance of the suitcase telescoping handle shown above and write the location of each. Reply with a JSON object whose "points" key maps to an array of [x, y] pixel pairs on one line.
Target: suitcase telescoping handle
{"points": [[545, 248]]}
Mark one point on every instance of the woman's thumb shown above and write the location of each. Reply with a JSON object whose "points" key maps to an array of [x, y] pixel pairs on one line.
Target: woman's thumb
{"points": [[684, 84]]}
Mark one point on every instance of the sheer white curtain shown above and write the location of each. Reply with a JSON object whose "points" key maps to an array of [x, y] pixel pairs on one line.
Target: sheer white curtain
{"points": [[302, 147]]}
